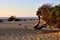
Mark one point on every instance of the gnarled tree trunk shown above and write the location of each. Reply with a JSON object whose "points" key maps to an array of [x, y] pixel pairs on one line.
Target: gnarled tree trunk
{"points": [[38, 22]]}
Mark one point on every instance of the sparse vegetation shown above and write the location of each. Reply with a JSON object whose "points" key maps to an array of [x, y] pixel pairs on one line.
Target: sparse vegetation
{"points": [[1, 21], [17, 19], [13, 18]]}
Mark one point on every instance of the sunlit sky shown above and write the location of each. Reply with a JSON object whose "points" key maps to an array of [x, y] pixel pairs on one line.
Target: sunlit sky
{"points": [[22, 8]]}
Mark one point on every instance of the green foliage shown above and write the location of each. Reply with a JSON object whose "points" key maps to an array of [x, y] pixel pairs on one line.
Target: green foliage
{"points": [[50, 13]]}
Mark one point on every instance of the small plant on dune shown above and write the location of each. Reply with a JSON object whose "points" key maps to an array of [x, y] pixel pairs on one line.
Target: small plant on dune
{"points": [[17, 19], [13, 18], [1, 21]]}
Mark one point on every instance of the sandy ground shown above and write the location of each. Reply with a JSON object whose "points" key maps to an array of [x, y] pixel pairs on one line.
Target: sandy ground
{"points": [[23, 30], [19, 24]]}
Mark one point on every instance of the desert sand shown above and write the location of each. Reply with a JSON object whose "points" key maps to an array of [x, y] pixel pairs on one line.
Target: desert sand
{"points": [[23, 30]]}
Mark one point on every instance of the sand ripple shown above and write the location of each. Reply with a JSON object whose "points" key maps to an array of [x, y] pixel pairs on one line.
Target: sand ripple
{"points": [[27, 34]]}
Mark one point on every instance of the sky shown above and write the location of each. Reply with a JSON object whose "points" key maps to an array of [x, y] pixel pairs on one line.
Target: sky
{"points": [[22, 8]]}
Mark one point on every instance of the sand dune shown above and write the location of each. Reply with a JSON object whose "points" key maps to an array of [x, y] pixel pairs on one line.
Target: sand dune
{"points": [[27, 34], [19, 24], [23, 30]]}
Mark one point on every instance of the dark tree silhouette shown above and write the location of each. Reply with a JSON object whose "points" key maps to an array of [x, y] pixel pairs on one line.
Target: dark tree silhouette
{"points": [[13, 18], [44, 12], [50, 14]]}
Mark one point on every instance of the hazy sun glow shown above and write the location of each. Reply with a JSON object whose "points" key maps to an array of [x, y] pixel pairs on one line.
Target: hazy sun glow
{"points": [[22, 8]]}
